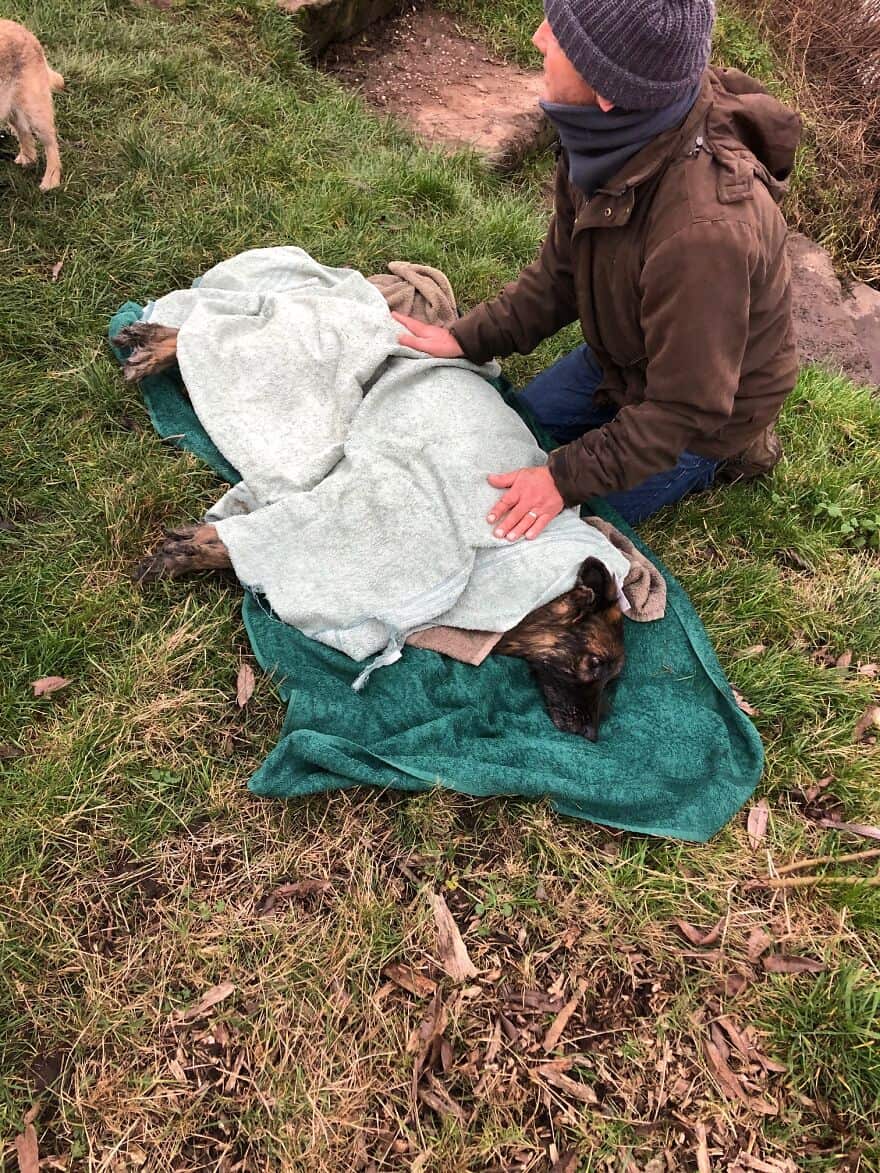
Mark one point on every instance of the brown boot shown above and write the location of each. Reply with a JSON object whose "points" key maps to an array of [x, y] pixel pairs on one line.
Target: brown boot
{"points": [[759, 459]]}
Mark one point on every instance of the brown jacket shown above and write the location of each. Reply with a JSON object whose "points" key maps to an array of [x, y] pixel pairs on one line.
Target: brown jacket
{"points": [[677, 270]]}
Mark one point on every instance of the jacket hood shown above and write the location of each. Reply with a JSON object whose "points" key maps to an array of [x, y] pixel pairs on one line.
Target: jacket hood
{"points": [[745, 120]]}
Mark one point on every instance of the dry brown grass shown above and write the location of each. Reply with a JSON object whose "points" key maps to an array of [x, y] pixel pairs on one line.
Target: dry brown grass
{"points": [[830, 50], [319, 1055]]}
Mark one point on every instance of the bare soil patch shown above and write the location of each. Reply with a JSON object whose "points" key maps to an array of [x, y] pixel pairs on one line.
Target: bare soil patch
{"points": [[836, 327], [449, 89]]}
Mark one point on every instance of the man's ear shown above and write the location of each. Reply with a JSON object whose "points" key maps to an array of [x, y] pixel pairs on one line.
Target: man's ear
{"points": [[603, 104]]}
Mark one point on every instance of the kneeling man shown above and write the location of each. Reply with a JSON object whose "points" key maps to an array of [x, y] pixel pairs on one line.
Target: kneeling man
{"points": [[667, 244]]}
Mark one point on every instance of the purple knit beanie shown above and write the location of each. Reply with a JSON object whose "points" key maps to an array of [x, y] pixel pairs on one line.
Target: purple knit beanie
{"points": [[639, 54]]}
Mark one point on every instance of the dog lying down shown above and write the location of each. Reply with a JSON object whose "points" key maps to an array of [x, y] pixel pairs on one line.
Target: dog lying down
{"points": [[573, 645], [571, 633]]}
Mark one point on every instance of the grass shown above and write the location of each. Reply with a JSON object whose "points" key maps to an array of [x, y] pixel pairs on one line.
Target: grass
{"points": [[135, 867]]}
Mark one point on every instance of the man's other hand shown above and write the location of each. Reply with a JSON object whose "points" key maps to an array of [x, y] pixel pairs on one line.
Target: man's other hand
{"points": [[433, 340], [530, 503]]}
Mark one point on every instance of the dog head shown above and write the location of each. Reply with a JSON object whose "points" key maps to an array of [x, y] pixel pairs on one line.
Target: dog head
{"points": [[575, 646]]}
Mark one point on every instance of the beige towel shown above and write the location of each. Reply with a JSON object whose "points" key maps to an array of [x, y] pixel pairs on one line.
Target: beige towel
{"points": [[644, 588], [418, 291]]}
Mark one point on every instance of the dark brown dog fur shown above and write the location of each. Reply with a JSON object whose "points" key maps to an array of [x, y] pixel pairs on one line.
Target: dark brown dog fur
{"points": [[574, 645]]}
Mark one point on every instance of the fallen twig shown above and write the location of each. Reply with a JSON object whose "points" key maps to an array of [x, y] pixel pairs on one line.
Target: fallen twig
{"points": [[803, 864], [808, 881]]}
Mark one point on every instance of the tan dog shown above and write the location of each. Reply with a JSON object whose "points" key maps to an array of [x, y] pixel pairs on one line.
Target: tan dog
{"points": [[26, 85]]}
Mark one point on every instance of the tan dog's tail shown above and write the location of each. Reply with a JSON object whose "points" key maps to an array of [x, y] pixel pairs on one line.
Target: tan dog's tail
{"points": [[56, 81]]}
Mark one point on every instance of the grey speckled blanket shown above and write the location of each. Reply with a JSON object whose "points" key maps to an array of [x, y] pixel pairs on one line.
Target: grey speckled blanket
{"points": [[361, 511]]}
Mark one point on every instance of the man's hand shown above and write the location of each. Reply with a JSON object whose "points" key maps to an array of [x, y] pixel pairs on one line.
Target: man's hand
{"points": [[531, 501], [433, 340]]}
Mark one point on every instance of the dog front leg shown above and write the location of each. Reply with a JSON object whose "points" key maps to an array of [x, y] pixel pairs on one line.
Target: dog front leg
{"points": [[194, 547]]}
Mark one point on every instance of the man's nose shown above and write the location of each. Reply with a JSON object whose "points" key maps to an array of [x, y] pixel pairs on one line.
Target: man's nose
{"points": [[539, 37]]}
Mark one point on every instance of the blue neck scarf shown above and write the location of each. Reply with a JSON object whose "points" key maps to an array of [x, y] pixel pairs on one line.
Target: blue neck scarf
{"points": [[598, 144]]}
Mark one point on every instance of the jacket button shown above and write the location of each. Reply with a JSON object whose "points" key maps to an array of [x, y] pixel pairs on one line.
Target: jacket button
{"points": [[607, 213]]}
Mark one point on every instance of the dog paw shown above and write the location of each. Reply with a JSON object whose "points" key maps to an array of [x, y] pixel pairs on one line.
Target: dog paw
{"points": [[153, 349], [24, 160], [50, 181], [190, 548]]}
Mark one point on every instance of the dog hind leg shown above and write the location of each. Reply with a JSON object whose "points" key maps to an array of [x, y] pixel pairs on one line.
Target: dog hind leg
{"points": [[153, 349], [27, 154], [36, 109], [194, 547]]}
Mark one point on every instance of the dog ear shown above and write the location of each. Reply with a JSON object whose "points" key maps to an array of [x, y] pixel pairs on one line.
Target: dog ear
{"points": [[594, 577]]}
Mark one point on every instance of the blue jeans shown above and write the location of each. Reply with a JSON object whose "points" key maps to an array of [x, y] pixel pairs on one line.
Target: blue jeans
{"points": [[561, 399]]}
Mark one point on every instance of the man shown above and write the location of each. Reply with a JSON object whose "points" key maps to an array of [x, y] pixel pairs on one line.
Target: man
{"points": [[667, 244]]}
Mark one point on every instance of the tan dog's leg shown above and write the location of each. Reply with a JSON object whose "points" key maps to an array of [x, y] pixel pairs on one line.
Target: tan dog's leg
{"points": [[153, 349], [27, 156], [35, 109], [194, 547]]}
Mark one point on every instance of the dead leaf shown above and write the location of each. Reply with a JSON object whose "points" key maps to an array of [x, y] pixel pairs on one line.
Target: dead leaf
{"points": [[703, 1165], [410, 979], [755, 650], [844, 660], [699, 936], [870, 717], [56, 269], [759, 942], [210, 998], [777, 963], [757, 1165], [869, 670], [735, 983], [494, 1045], [302, 888], [743, 705], [724, 1076], [560, 1022], [813, 792], [295, 891], [854, 828], [49, 684], [454, 957], [28, 1150], [437, 1097], [572, 1087], [244, 685], [8, 753], [567, 1162], [427, 1041], [756, 826]]}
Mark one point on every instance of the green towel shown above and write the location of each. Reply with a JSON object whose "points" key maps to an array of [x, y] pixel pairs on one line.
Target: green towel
{"points": [[675, 756]]}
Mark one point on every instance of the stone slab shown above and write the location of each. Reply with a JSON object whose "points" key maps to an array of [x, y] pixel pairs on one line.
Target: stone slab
{"points": [[450, 90]]}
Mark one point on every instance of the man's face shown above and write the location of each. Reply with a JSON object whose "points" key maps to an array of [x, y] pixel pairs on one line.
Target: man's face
{"points": [[562, 82]]}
